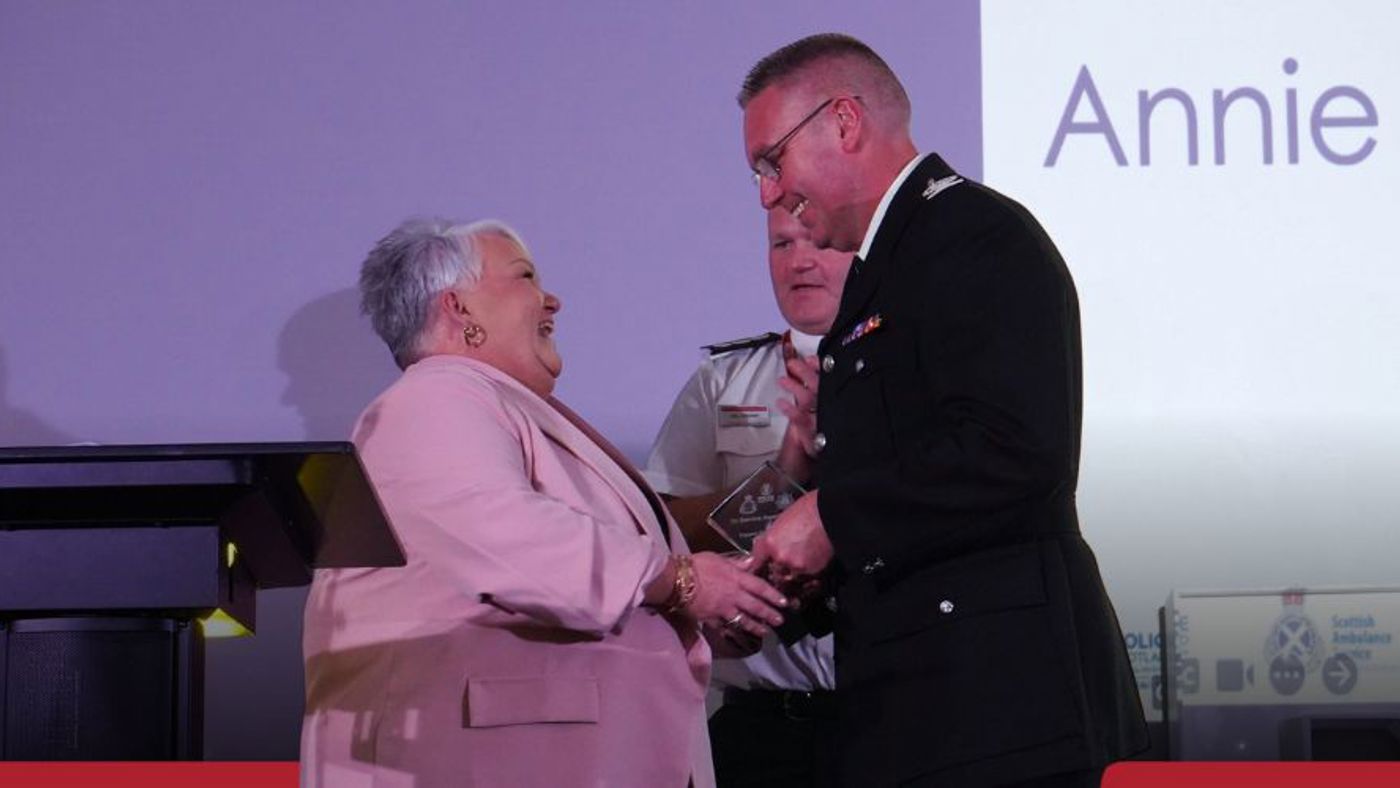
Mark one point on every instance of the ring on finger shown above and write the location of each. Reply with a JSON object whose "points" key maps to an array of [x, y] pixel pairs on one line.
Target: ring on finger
{"points": [[734, 620]]}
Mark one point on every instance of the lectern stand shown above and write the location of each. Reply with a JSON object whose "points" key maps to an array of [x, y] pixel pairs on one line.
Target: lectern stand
{"points": [[110, 558]]}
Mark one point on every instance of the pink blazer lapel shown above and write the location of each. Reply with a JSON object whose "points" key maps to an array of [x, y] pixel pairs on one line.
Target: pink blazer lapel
{"points": [[573, 433], [641, 500]]}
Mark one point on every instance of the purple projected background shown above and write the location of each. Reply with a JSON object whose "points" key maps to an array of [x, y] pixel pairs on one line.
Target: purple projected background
{"points": [[187, 190]]}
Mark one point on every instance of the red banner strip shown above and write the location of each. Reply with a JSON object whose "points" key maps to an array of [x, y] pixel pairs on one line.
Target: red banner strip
{"points": [[1132, 774], [1274, 774], [162, 774]]}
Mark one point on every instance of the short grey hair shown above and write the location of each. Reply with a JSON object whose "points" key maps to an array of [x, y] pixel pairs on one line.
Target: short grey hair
{"points": [[410, 266], [871, 75]]}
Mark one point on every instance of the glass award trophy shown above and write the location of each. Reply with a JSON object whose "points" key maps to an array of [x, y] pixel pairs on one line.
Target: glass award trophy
{"points": [[754, 505]]}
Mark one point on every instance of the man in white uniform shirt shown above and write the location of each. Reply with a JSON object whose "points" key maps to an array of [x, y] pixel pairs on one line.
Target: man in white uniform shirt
{"points": [[752, 401]]}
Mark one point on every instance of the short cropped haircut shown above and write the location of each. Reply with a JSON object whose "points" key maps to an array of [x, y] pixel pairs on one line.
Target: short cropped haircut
{"points": [[410, 266], [791, 60]]}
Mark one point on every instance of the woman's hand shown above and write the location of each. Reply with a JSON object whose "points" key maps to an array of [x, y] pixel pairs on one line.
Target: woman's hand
{"points": [[728, 596], [731, 642]]}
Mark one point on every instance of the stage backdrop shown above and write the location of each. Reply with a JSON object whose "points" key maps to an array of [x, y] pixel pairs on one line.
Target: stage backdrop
{"points": [[1222, 179], [186, 190]]}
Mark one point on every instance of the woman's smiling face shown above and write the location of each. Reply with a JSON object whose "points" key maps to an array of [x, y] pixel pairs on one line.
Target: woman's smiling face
{"points": [[516, 314]]}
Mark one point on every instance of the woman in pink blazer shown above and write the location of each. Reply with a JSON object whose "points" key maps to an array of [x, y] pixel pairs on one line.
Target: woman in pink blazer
{"points": [[546, 628]]}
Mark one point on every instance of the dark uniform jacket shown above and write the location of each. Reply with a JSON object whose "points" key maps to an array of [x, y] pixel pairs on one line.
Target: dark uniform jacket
{"points": [[974, 641]]}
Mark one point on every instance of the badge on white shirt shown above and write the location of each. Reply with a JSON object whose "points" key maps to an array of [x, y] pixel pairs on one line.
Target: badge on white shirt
{"points": [[744, 416]]}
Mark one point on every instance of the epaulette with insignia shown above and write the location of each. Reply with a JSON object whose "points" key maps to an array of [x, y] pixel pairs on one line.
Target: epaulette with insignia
{"points": [[720, 348]]}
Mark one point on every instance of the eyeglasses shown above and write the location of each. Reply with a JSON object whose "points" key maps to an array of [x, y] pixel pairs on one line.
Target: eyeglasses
{"points": [[765, 164]]}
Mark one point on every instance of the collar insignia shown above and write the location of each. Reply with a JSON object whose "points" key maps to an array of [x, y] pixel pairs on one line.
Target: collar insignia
{"points": [[936, 185], [720, 348]]}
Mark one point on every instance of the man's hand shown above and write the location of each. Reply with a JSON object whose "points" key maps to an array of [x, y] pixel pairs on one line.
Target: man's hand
{"points": [[797, 452], [795, 547]]}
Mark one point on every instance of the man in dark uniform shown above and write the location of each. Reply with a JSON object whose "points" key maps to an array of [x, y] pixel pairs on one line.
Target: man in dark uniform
{"points": [[975, 644]]}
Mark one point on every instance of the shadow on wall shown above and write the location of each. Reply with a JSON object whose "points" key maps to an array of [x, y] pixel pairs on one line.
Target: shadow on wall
{"points": [[20, 427], [334, 364], [253, 686], [253, 692]]}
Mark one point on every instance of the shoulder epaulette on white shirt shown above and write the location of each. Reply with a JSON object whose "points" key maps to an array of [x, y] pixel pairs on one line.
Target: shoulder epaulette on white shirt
{"points": [[720, 348]]}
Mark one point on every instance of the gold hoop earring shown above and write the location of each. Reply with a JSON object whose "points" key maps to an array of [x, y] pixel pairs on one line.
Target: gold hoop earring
{"points": [[474, 335]]}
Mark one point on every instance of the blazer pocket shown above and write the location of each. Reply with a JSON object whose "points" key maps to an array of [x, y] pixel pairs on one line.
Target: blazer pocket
{"points": [[878, 356], [853, 364], [995, 581], [493, 702]]}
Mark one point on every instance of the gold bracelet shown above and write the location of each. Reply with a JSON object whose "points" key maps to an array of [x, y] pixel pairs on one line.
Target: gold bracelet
{"points": [[684, 588]]}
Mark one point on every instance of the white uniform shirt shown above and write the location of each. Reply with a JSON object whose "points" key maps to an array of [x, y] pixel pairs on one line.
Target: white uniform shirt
{"points": [[724, 424]]}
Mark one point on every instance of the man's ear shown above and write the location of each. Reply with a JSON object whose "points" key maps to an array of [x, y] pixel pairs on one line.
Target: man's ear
{"points": [[850, 120]]}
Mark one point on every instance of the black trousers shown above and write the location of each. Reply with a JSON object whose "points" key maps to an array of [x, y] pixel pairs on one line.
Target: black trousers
{"points": [[761, 739], [764, 742], [1089, 778], [1085, 779]]}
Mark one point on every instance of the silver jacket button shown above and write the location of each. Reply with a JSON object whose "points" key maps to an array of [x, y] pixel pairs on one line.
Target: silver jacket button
{"points": [[828, 363], [946, 606], [819, 441], [860, 364]]}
